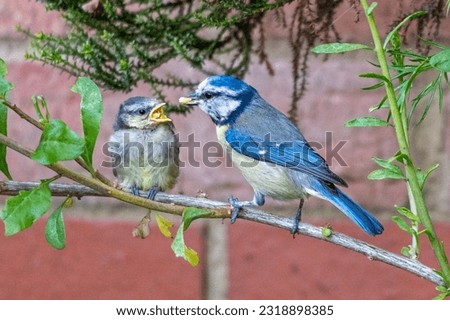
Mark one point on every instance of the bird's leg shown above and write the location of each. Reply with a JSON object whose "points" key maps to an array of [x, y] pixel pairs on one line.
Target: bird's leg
{"points": [[297, 218], [152, 193], [135, 191], [258, 200]]}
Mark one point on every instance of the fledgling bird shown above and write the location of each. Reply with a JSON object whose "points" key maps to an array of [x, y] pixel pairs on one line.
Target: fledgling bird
{"points": [[270, 151], [144, 147]]}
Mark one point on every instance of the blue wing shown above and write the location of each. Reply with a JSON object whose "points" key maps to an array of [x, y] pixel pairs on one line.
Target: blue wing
{"points": [[296, 155]]}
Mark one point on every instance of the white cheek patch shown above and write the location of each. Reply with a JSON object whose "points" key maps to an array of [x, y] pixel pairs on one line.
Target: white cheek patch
{"points": [[203, 107], [225, 110]]}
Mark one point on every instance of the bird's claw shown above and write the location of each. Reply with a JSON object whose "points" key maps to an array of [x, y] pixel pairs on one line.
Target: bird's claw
{"points": [[135, 191], [297, 218], [152, 193], [236, 206], [294, 227]]}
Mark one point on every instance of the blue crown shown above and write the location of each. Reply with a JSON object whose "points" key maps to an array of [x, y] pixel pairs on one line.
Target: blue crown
{"points": [[229, 82]]}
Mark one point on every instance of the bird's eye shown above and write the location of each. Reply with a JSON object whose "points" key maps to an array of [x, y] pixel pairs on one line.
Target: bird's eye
{"points": [[142, 111], [208, 95]]}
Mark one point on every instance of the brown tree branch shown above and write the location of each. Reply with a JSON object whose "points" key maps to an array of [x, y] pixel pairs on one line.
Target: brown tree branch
{"points": [[372, 252], [175, 204]]}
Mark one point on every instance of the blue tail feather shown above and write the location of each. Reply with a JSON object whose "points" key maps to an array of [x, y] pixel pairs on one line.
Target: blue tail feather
{"points": [[350, 208]]}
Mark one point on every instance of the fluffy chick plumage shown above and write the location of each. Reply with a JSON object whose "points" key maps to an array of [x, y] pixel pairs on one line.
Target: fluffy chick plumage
{"points": [[144, 152]]}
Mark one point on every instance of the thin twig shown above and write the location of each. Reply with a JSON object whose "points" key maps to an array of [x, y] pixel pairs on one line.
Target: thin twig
{"points": [[104, 188], [372, 252], [22, 114], [39, 125]]}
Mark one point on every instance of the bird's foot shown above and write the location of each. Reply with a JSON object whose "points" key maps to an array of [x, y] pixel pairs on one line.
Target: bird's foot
{"points": [[135, 191], [295, 221], [296, 218], [236, 206], [152, 193]]}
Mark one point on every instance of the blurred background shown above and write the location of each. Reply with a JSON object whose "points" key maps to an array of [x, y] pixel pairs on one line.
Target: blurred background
{"points": [[103, 261]]}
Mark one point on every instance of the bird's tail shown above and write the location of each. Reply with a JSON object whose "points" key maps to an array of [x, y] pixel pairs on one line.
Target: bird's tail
{"points": [[354, 211]]}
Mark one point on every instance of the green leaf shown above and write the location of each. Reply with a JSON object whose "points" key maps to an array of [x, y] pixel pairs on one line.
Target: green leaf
{"points": [[441, 60], [40, 103], [4, 130], [3, 68], [373, 75], [372, 7], [440, 92], [373, 87], [191, 213], [405, 251], [430, 91], [181, 250], [410, 251], [91, 114], [366, 122], [381, 174], [398, 156], [442, 296], [191, 256], [408, 214], [21, 211], [397, 27], [339, 47], [387, 165], [58, 143], [402, 224], [380, 105], [442, 288], [396, 43], [445, 292], [164, 226], [55, 231], [5, 87], [178, 245], [422, 176]]}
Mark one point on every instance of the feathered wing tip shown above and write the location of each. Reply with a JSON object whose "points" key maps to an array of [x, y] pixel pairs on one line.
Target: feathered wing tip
{"points": [[363, 218]]}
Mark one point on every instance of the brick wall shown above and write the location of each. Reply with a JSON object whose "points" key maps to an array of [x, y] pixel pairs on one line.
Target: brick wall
{"points": [[334, 96]]}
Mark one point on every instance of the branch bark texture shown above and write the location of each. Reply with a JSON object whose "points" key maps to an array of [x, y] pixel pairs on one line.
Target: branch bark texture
{"points": [[372, 252]]}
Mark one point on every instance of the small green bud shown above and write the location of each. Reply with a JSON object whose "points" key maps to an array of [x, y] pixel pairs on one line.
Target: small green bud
{"points": [[327, 231], [68, 203], [39, 35]]}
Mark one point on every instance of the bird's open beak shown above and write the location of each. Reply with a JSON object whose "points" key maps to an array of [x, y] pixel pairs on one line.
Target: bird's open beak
{"points": [[190, 101], [157, 114]]}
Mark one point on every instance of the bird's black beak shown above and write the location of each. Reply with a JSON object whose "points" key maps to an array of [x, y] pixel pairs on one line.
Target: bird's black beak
{"points": [[157, 114], [191, 100]]}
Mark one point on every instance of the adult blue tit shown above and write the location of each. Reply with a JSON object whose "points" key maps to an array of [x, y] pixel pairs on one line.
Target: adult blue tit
{"points": [[270, 151], [144, 147]]}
